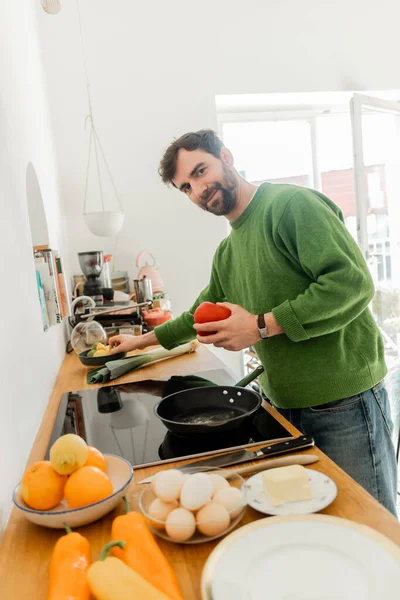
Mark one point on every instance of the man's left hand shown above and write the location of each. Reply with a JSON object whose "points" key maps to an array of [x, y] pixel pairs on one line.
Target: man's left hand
{"points": [[235, 333]]}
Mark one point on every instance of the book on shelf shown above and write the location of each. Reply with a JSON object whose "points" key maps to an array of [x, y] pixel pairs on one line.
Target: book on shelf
{"points": [[62, 286], [46, 266], [42, 301]]}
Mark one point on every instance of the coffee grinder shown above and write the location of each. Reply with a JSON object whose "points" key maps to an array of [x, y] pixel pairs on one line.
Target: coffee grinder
{"points": [[92, 264]]}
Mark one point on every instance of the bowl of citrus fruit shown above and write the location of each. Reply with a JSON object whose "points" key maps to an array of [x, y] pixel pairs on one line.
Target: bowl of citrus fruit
{"points": [[98, 355], [77, 486]]}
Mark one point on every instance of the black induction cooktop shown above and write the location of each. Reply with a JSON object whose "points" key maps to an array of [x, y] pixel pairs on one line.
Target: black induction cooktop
{"points": [[120, 419]]}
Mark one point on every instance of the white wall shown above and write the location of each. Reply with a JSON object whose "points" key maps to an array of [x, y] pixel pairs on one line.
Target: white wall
{"points": [[29, 358]]}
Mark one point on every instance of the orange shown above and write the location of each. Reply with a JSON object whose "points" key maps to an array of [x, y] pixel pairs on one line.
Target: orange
{"points": [[42, 487], [87, 485], [96, 459]]}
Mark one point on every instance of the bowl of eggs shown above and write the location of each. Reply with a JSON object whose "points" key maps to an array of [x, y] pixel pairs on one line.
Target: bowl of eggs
{"points": [[193, 507]]}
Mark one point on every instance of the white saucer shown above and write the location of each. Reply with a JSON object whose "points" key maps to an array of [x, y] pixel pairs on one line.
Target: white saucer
{"points": [[324, 491]]}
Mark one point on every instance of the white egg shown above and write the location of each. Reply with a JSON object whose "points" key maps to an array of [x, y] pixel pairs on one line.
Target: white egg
{"points": [[167, 485], [212, 519], [218, 483], [159, 510], [232, 498], [196, 491], [180, 524]]}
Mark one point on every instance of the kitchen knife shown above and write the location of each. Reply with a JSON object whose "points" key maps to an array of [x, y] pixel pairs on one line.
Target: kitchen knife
{"points": [[273, 463], [233, 458]]}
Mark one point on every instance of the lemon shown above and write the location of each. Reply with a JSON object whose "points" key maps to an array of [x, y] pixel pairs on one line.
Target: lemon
{"points": [[100, 353], [68, 453]]}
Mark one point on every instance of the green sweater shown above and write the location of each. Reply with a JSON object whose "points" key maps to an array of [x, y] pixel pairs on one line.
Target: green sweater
{"points": [[290, 253]]}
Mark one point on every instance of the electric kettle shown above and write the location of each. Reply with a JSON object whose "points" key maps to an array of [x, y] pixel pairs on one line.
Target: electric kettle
{"points": [[150, 271]]}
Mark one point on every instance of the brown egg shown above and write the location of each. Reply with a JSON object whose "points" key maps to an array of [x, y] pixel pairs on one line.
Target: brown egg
{"points": [[212, 519], [232, 499], [180, 524]]}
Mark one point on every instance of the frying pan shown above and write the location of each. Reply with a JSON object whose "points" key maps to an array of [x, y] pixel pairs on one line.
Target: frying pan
{"points": [[212, 409]]}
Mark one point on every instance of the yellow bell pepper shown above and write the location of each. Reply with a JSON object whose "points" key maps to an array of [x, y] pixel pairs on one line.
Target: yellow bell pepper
{"points": [[111, 579]]}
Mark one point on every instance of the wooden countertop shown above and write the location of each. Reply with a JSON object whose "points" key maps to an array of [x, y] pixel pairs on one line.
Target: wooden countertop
{"points": [[26, 548]]}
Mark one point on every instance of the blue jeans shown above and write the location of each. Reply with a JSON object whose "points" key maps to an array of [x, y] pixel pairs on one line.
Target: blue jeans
{"points": [[356, 433]]}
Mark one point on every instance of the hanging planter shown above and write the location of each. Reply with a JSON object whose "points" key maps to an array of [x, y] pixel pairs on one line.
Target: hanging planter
{"points": [[104, 223]]}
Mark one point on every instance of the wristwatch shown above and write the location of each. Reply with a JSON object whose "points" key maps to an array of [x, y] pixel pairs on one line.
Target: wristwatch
{"points": [[262, 327]]}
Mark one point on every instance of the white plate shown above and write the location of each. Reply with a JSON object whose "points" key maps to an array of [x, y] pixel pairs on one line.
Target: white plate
{"points": [[119, 471], [323, 489], [313, 557]]}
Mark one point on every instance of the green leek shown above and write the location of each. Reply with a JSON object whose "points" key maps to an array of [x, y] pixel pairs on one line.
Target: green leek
{"points": [[113, 369]]}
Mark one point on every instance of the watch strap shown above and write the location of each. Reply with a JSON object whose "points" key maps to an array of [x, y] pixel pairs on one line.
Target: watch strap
{"points": [[262, 327]]}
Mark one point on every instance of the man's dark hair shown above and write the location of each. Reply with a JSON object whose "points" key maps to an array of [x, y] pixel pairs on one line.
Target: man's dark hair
{"points": [[205, 139]]}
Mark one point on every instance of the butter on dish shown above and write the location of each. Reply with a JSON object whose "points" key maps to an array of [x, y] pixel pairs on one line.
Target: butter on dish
{"points": [[287, 484]]}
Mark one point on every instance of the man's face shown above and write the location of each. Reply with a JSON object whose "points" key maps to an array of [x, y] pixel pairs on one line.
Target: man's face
{"points": [[207, 180]]}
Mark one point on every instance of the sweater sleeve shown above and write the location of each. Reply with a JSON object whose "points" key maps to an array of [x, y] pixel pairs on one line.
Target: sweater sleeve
{"points": [[340, 287], [180, 330]]}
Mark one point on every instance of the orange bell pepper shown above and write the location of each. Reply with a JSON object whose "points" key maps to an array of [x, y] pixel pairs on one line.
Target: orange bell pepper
{"points": [[142, 553], [68, 566]]}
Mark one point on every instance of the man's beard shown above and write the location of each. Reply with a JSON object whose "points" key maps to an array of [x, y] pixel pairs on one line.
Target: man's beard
{"points": [[228, 195]]}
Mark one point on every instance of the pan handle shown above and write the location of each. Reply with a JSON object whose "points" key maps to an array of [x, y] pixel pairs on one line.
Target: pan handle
{"points": [[250, 377]]}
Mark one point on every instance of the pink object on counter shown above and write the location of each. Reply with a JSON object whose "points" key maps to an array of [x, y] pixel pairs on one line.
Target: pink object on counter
{"points": [[150, 271], [156, 316]]}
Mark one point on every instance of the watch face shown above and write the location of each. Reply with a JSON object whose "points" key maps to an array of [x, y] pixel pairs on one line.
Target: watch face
{"points": [[263, 332]]}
